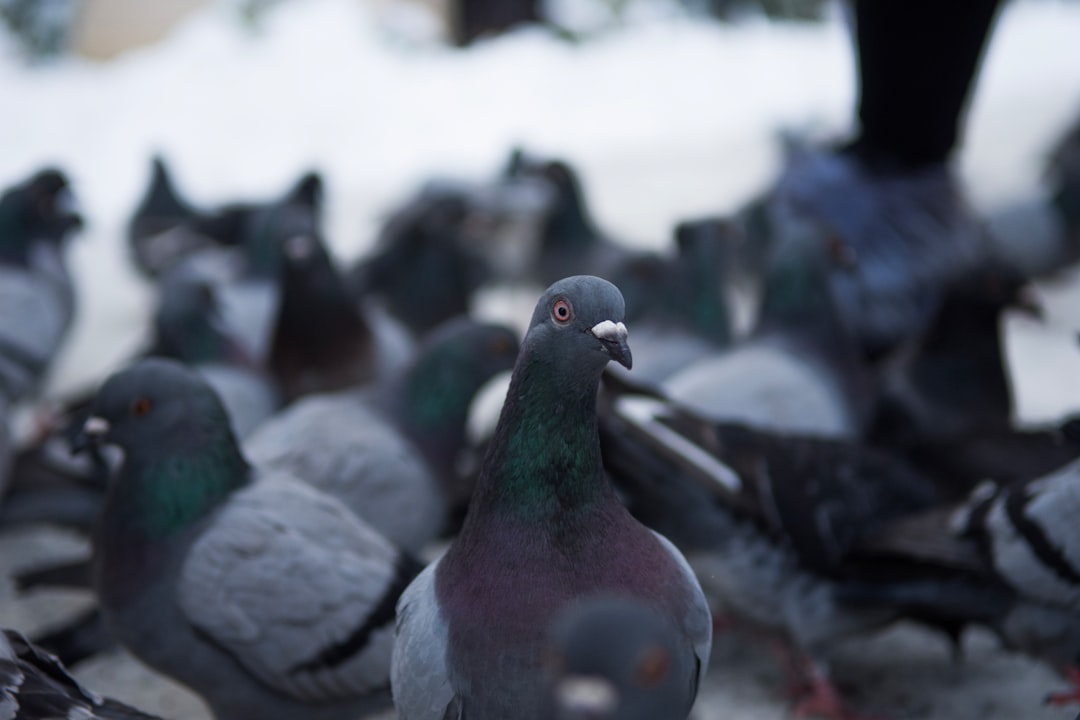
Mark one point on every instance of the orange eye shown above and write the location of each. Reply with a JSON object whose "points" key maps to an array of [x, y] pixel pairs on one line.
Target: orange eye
{"points": [[141, 406], [561, 311]]}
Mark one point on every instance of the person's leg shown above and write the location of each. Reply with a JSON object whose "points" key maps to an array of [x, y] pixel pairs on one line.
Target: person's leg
{"points": [[917, 60]]}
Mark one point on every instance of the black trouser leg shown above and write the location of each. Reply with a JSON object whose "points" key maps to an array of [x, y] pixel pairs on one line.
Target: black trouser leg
{"points": [[917, 60]]}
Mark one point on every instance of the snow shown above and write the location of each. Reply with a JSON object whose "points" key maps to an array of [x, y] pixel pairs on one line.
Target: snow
{"points": [[667, 116]]}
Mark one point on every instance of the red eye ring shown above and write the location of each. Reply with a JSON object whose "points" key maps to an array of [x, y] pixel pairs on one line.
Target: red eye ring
{"points": [[561, 312], [141, 406]]}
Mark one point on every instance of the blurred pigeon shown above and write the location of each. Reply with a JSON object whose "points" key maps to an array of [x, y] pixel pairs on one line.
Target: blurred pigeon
{"points": [[1008, 558], [799, 371], [164, 227], [952, 380], [34, 685], [321, 340], [260, 593], [677, 305], [78, 638], [390, 451], [424, 269], [1004, 455], [911, 233], [36, 296], [766, 521], [245, 266], [188, 327], [7, 447], [615, 658], [49, 485], [544, 529], [569, 240], [1041, 234]]}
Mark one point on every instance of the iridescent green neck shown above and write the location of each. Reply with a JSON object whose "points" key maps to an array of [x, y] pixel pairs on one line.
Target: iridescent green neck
{"points": [[159, 497], [544, 461]]}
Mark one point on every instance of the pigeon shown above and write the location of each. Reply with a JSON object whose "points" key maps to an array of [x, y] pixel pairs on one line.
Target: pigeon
{"points": [[424, 269], [569, 241], [952, 380], [677, 304], [49, 485], [390, 451], [1041, 234], [321, 340], [263, 595], [766, 520], [37, 301], [799, 371], [164, 226], [1008, 558], [1004, 455], [188, 327], [7, 448], [910, 233], [35, 685], [614, 658], [543, 530], [245, 264]]}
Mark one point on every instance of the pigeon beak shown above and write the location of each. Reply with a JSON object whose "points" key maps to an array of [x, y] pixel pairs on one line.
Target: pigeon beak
{"points": [[1028, 303], [586, 696], [612, 337], [92, 433]]}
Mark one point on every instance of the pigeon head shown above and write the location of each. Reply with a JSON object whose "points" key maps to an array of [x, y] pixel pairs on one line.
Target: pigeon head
{"points": [[996, 287], [798, 293], [613, 657], [578, 322], [158, 406], [424, 270], [39, 209], [188, 325], [568, 223]]}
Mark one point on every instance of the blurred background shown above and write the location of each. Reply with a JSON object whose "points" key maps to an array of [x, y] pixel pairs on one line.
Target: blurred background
{"points": [[669, 109]]}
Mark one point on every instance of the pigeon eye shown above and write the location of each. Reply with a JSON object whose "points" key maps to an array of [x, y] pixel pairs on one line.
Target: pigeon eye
{"points": [[653, 668], [141, 407], [562, 311]]}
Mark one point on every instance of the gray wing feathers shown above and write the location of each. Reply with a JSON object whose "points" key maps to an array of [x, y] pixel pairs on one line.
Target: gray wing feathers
{"points": [[419, 678], [336, 444], [35, 313], [284, 573], [763, 387], [698, 622], [1038, 552]]}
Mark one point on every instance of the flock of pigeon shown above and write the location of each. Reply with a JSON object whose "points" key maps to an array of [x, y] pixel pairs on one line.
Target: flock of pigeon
{"points": [[263, 483]]}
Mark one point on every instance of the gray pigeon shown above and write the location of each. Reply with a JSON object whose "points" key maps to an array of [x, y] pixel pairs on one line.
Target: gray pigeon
{"points": [[245, 263], [37, 300], [390, 451], [322, 340], [910, 234], [767, 521], [265, 596], [544, 529], [614, 658], [677, 304], [164, 227], [1007, 558], [34, 686], [800, 370], [188, 327]]}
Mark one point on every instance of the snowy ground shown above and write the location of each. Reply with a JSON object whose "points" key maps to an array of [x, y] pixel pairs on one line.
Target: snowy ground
{"points": [[667, 119]]}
